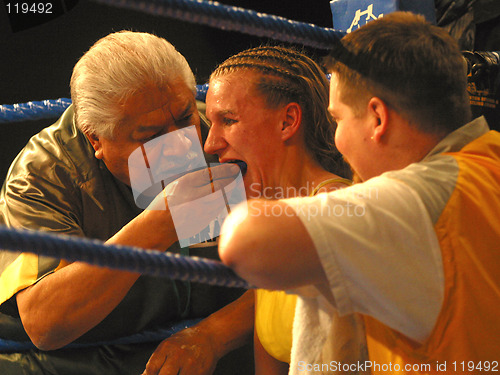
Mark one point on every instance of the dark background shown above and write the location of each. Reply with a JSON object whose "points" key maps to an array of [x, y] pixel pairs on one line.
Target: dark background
{"points": [[36, 63]]}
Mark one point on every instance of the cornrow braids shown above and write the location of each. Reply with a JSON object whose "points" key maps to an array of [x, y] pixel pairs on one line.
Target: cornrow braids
{"points": [[262, 68], [286, 75]]}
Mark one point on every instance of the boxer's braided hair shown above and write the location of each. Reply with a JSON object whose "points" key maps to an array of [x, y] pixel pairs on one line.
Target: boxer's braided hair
{"points": [[287, 75]]}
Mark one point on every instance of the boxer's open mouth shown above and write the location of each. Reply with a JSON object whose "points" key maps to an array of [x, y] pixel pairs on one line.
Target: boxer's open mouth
{"points": [[241, 164]]}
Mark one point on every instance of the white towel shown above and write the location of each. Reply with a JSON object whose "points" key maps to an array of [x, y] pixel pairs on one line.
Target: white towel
{"points": [[323, 341]]}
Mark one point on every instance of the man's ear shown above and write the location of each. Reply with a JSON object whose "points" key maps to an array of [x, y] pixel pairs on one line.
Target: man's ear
{"points": [[291, 121], [96, 144], [379, 111]]}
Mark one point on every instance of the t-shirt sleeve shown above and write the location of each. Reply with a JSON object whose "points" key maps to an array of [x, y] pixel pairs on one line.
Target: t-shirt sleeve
{"points": [[380, 253]]}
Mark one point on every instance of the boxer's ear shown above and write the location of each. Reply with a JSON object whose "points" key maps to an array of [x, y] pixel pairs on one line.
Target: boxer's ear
{"points": [[292, 120]]}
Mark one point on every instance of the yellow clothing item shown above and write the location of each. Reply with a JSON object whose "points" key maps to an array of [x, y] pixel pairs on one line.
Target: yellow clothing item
{"points": [[275, 310], [274, 322], [465, 339]]}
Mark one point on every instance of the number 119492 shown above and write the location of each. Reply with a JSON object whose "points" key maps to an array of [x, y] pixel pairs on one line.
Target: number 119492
{"points": [[27, 8]]}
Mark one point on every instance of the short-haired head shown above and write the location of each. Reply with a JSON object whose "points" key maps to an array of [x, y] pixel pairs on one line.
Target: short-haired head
{"points": [[415, 67], [116, 67], [285, 75]]}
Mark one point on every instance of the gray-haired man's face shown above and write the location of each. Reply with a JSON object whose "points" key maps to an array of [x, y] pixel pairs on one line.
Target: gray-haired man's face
{"points": [[147, 116]]}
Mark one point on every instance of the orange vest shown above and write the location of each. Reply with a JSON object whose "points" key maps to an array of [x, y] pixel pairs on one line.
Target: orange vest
{"points": [[466, 337]]}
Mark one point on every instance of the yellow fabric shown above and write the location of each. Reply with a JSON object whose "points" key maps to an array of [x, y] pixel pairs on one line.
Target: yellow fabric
{"points": [[20, 274], [275, 310], [467, 330], [274, 322], [330, 181]]}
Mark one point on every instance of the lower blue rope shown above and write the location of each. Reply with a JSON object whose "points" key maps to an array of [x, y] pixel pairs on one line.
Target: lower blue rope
{"points": [[10, 346], [149, 262]]}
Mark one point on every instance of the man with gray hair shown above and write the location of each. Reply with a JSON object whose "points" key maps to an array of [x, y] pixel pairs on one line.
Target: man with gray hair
{"points": [[73, 178]]}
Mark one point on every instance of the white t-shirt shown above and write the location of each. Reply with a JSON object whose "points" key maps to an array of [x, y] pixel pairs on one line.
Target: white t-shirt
{"points": [[378, 248]]}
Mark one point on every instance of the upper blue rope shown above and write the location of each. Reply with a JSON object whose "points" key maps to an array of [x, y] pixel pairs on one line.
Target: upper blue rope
{"points": [[202, 12], [154, 263], [211, 13], [48, 109]]}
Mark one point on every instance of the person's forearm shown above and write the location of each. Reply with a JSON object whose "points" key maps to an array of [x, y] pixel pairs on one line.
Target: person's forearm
{"points": [[150, 230], [230, 327], [64, 305], [265, 364], [67, 303], [197, 349], [269, 246]]}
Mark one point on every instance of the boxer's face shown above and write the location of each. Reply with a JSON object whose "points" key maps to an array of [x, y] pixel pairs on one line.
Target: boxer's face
{"points": [[244, 128], [147, 116]]}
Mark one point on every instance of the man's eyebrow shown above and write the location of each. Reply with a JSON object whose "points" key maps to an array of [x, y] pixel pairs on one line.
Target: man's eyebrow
{"points": [[148, 128], [184, 113]]}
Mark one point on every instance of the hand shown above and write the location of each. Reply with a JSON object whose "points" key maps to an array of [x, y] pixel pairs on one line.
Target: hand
{"points": [[201, 183], [187, 352], [198, 198], [197, 184]]}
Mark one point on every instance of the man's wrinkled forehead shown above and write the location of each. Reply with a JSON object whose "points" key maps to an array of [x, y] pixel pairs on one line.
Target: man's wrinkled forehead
{"points": [[159, 105]]}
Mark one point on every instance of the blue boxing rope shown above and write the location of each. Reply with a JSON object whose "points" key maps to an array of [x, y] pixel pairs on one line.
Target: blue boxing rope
{"points": [[33, 110], [148, 262], [11, 346], [230, 18], [53, 108], [206, 13]]}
